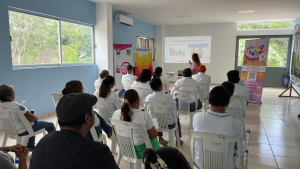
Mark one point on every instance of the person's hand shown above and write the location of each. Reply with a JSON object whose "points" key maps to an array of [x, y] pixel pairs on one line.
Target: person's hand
{"points": [[22, 155], [116, 90], [18, 148], [190, 62]]}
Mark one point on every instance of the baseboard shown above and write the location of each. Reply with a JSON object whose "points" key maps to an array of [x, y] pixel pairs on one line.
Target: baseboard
{"points": [[46, 114]]}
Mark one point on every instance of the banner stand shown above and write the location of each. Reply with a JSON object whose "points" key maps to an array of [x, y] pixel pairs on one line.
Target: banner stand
{"points": [[291, 88]]}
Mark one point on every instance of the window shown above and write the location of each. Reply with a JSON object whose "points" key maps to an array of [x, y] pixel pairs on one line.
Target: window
{"points": [[278, 50], [265, 25], [43, 41]]}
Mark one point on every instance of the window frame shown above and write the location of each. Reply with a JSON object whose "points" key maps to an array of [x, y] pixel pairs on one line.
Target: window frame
{"points": [[264, 23], [60, 64]]}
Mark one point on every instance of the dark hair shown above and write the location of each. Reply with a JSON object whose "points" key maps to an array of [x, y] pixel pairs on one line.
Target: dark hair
{"points": [[5, 91], [129, 68], [171, 156], [187, 72], [219, 96], [229, 86], [131, 95], [233, 76], [195, 58], [76, 123], [103, 74], [144, 76], [155, 83], [157, 72], [104, 90], [73, 86]]}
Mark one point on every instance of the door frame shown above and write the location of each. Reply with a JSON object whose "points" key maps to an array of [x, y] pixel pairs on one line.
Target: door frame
{"points": [[289, 55]]}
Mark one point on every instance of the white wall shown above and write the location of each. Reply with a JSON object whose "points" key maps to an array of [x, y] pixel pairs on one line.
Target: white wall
{"points": [[222, 50]]}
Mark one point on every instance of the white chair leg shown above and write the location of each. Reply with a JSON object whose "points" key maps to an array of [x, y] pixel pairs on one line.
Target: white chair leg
{"points": [[119, 157], [138, 164], [104, 141], [132, 165], [191, 120], [171, 138], [4, 140], [113, 144], [56, 124]]}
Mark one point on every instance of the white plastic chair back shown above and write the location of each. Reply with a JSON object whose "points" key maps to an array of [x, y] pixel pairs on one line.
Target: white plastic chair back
{"points": [[10, 129], [187, 97], [56, 97], [97, 88], [101, 138], [123, 131], [104, 108], [127, 84], [143, 93], [165, 89], [243, 100], [215, 148], [237, 114], [205, 89], [159, 110]]}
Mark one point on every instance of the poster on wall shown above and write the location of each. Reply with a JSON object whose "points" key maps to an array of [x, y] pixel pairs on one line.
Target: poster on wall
{"points": [[296, 58], [122, 58], [143, 60], [254, 67]]}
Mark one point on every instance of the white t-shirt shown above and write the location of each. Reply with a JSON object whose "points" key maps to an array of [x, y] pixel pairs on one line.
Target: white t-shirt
{"points": [[98, 82], [201, 77], [15, 118], [242, 83], [112, 108], [219, 123], [162, 97], [142, 85], [234, 103], [241, 90], [138, 117], [129, 77]]}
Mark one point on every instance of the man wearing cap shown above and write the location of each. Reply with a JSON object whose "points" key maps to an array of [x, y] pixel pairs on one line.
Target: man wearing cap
{"points": [[69, 148], [201, 77]]}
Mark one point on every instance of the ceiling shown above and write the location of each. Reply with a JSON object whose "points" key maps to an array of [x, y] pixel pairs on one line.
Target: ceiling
{"points": [[161, 12]]}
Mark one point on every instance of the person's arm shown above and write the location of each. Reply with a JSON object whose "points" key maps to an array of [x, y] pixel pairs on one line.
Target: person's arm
{"points": [[21, 152], [30, 117], [152, 133], [175, 87], [22, 159], [193, 71]]}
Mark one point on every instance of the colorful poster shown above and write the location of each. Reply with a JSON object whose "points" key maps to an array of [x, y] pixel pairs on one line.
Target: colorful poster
{"points": [[296, 57], [254, 67], [122, 58], [143, 60]]}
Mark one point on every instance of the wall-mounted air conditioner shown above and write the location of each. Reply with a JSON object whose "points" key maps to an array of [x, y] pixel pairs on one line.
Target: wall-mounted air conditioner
{"points": [[124, 20]]}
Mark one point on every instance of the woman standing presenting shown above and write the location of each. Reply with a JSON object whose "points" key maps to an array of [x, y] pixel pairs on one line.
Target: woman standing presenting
{"points": [[195, 64]]}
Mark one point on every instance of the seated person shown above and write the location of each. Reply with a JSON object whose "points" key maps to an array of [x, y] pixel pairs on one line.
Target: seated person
{"points": [[75, 86], [158, 74], [217, 121], [233, 77], [98, 82], [106, 92], [188, 84], [165, 157], [68, 148], [143, 82], [7, 96], [130, 112], [7, 161], [159, 96], [201, 77], [129, 75], [233, 102]]}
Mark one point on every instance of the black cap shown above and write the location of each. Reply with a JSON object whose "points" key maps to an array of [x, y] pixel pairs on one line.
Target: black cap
{"points": [[72, 106]]}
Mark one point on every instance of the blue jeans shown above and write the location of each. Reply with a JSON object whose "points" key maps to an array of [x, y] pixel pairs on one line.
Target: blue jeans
{"points": [[192, 105], [38, 125], [171, 127], [121, 92], [103, 126]]}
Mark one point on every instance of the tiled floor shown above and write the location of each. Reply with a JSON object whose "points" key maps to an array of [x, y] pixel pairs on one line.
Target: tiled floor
{"points": [[275, 133]]}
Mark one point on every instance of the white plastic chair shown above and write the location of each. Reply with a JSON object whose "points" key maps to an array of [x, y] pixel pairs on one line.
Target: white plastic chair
{"points": [[185, 96], [214, 149], [97, 88], [204, 95], [159, 110], [101, 138], [125, 141], [165, 88], [243, 100], [237, 114], [104, 111], [10, 129], [143, 93], [55, 98], [127, 84]]}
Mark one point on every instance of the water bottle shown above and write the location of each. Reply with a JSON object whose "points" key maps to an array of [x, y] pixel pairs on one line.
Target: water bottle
{"points": [[17, 161], [246, 155], [248, 134]]}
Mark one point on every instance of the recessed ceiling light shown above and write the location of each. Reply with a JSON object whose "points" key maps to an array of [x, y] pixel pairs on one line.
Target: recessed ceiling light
{"points": [[245, 11], [182, 15]]}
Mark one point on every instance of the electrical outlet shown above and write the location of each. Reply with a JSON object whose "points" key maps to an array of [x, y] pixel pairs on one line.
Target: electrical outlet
{"points": [[23, 101]]}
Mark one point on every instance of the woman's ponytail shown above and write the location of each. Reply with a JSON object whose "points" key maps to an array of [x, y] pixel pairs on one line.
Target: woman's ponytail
{"points": [[130, 97]]}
